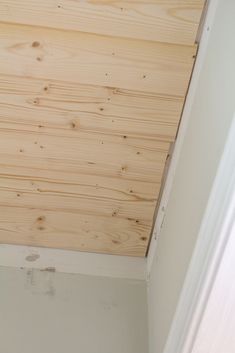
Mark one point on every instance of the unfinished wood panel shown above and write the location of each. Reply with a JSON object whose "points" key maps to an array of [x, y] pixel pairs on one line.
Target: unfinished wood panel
{"points": [[91, 94], [67, 109], [172, 21], [112, 156], [99, 60], [73, 231], [78, 198]]}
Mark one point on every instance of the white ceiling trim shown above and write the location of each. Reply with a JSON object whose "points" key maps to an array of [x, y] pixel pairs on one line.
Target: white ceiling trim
{"points": [[209, 18], [73, 262]]}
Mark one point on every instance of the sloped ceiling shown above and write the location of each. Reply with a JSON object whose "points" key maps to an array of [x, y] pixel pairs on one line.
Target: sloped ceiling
{"points": [[91, 94]]}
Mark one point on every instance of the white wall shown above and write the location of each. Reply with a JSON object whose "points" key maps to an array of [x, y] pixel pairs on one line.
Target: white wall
{"points": [[210, 120], [45, 312]]}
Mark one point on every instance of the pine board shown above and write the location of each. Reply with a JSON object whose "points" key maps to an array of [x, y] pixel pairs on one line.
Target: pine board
{"points": [[91, 95], [171, 21], [96, 60]]}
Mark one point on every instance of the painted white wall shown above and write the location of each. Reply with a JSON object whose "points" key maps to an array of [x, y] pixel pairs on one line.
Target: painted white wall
{"points": [[48, 312], [209, 122], [215, 333]]}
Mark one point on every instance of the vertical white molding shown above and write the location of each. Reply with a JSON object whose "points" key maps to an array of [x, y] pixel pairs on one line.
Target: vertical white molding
{"points": [[216, 330], [213, 236], [182, 132]]}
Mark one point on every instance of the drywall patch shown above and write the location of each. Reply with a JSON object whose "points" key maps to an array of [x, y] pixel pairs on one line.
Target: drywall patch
{"points": [[41, 282]]}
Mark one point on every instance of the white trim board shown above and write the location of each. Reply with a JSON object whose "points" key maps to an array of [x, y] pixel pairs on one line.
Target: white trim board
{"points": [[73, 262], [215, 231], [212, 337], [209, 18]]}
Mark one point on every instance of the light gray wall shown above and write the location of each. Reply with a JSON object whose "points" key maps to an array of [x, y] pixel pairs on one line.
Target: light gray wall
{"points": [[211, 116], [43, 312]]}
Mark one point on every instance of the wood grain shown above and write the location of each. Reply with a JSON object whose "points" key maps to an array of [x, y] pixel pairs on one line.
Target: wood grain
{"points": [[97, 60], [86, 196], [64, 230], [91, 95], [174, 21], [109, 155], [67, 109]]}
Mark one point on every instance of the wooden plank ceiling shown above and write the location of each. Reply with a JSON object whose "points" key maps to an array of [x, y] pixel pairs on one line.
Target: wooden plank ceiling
{"points": [[91, 94]]}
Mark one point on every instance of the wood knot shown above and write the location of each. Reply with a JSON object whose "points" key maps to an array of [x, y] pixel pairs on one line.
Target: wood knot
{"points": [[41, 218], [35, 44], [115, 241], [74, 125], [36, 101], [143, 238]]}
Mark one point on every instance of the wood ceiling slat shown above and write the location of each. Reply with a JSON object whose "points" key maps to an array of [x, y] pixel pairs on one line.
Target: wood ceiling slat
{"points": [[91, 94], [98, 60], [61, 108], [61, 197], [172, 21], [73, 231], [114, 153]]}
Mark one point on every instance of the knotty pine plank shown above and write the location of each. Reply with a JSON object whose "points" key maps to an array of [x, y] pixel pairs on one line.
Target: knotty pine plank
{"points": [[66, 109], [73, 231], [98, 60], [172, 21], [59, 198], [101, 155]]}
